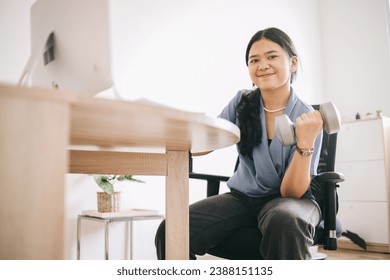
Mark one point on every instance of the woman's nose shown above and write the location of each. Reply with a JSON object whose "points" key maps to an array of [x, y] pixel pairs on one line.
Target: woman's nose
{"points": [[263, 65]]}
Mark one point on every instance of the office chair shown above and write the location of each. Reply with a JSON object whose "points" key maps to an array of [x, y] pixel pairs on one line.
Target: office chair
{"points": [[324, 188]]}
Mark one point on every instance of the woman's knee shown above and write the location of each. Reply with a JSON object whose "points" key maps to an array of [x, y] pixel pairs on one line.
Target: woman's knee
{"points": [[277, 220], [287, 230], [288, 215]]}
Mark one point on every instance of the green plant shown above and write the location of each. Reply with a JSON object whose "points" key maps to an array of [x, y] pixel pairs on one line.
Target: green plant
{"points": [[106, 182]]}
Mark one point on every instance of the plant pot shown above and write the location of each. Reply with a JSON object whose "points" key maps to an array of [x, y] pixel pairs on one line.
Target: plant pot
{"points": [[108, 202]]}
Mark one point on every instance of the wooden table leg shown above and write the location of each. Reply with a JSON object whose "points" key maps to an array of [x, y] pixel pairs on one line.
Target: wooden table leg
{"points": [[177, 199], [33, 161]]}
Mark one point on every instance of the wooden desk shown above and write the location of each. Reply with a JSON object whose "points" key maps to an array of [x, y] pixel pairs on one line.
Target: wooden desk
{"points": [[37, 128]]}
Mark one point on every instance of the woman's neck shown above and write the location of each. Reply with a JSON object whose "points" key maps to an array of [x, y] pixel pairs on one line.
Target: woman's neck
{"points": [[274, 100]]}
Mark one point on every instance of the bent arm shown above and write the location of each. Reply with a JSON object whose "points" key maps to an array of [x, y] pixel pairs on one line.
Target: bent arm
{"points": [[297, 178]]}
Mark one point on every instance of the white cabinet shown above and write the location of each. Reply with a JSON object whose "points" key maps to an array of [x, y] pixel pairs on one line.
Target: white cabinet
{"points": [[363, 156]]}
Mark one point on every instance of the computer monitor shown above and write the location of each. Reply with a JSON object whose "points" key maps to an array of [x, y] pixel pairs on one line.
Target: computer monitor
{"points": [[70, 46]]}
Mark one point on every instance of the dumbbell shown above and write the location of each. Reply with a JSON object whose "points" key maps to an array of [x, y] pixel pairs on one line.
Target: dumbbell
{"points": [[285, 128]]}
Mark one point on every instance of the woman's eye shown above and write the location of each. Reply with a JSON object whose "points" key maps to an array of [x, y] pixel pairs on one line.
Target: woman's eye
{"points": [[272, 57], [252, 61]]}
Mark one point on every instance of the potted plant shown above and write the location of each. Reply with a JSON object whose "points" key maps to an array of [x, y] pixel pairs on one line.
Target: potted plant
{"points": [[109, 199]]}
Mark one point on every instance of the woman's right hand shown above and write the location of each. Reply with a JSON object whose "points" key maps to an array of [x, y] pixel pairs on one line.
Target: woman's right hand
{"points": [[307, 128]]}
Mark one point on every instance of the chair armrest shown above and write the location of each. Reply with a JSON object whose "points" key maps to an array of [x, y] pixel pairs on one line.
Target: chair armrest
{"points": [[330, 177], [212, 181], [208, 177]]}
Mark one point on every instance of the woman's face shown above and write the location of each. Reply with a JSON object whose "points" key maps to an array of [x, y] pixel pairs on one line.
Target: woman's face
{"points": [[270, 66]]}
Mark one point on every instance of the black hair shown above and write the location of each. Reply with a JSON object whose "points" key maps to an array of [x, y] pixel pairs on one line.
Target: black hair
{"points": [[248, 113], [248, 108]]}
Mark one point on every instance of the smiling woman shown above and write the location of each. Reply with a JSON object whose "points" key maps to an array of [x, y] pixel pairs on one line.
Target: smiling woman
{"points": [[270, 67], [272, 182], [272, 51]]}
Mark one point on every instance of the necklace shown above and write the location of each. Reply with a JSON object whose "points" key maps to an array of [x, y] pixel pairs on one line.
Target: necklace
{"points": [[274, 111]]}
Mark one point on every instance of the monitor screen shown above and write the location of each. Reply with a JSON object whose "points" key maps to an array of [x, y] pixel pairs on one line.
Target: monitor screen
{"points": [[70, 46]]}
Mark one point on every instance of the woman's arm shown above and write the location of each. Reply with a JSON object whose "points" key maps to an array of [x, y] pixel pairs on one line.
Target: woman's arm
{"points": [[297, 178]]}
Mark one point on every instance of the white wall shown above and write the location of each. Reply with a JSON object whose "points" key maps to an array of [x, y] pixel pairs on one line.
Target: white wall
{"points": [[15, 38], [191, 55], [356, 55]]}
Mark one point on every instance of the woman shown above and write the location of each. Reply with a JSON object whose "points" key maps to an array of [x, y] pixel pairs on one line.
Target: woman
{"points": [[271, 186]]}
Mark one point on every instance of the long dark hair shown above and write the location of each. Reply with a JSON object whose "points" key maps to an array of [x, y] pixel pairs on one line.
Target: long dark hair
{"points": [[248, 113], [248, 109]]}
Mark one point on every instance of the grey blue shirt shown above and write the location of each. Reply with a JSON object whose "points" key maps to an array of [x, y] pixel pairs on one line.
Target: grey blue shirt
{"points": [[262, 175]]}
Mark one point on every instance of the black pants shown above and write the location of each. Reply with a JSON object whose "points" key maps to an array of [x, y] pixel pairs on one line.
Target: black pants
{"points": [[286, 225]]}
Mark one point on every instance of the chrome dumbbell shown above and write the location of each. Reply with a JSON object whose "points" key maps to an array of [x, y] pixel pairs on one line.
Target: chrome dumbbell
{"points": [[285, 128]]}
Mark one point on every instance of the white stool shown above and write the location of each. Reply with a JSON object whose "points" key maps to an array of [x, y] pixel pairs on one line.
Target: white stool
{"points": [[127, 216]]}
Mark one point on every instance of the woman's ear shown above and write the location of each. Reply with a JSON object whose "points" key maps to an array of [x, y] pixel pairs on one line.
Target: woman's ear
{"points": [[294, 64]]}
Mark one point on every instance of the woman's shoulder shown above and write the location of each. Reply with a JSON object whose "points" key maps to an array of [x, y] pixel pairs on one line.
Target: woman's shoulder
{"points": [[301, 106], [244, 91], [304, 106], [241, 93]]}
